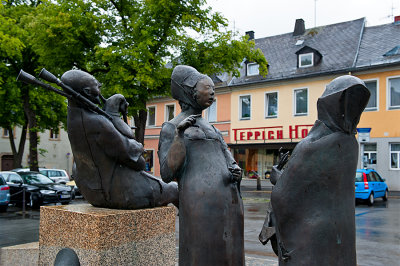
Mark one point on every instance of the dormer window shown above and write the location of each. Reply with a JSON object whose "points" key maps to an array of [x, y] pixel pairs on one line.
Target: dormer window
{"points": [[252, 69], [308, 57], [306, 60]]}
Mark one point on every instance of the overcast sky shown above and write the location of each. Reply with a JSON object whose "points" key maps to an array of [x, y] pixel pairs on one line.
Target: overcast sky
{"points": [[274, 17]]}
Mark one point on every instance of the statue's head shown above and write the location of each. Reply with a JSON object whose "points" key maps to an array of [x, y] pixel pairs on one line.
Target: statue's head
{"points": [[191, 88], [83, 83], [342, 103]]}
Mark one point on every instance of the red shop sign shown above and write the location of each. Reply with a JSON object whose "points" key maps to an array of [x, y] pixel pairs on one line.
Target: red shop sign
{"points": [[270, 133]]}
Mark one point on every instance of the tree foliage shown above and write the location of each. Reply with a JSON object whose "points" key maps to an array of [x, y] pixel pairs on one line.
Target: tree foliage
{"points": [[131, 46], [23, 106]]}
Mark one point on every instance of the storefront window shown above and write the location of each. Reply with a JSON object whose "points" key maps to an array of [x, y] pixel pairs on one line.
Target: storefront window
{"points": [[256, 162]]}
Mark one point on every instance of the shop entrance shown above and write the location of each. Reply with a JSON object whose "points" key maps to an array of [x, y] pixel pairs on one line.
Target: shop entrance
{"points": [[257, 161]]}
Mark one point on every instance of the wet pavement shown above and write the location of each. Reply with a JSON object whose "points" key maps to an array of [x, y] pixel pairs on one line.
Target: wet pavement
{"points": [[377, 230]]}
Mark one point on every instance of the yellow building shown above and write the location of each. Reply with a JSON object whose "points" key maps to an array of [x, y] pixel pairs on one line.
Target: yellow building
{"points": [[277, 111], [258, 115]]}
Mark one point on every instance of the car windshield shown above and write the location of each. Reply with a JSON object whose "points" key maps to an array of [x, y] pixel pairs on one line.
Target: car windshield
{"points": [[359, 177], [36, 178]]}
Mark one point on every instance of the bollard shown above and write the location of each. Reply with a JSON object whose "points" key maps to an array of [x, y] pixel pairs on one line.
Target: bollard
{"points": [[23, 202], [258, 183]]}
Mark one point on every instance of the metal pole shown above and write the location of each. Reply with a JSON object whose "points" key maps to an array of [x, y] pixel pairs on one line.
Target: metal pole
{"points": [[258, 183], [23, 202], [362, 155]]}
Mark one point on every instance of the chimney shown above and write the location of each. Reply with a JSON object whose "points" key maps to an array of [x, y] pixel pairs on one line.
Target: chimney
{"points": [[299, 27], [397, 20], [250, 34]]}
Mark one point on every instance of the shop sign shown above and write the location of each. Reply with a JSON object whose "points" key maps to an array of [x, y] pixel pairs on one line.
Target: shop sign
{"points": [[271, 133]]}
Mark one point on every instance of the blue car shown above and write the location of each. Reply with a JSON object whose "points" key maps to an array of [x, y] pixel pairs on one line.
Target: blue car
{"points": [[4, 194], [370, 185]]}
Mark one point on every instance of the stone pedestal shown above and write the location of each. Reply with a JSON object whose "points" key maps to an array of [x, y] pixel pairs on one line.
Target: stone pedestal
{"points": [[108, 237]]}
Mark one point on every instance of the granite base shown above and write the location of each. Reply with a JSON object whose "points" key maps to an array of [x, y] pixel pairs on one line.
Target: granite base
{"points": [[103, 236]]}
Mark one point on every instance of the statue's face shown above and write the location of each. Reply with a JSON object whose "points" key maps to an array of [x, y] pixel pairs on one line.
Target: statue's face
{"points": [[205, 92], [92, 91]]}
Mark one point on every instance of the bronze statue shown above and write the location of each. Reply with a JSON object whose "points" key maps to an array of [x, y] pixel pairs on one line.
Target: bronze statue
{"points": [[194, 153], [109, 166], [109, 162], [311, 216]]}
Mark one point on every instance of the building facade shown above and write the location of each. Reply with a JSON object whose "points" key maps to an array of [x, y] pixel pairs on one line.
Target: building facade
{"points": [[269, 115], [54, 150]]}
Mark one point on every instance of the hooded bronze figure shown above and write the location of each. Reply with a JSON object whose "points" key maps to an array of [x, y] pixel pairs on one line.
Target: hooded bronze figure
{"points": [[311, 216], [194, 153], [109, 166]]}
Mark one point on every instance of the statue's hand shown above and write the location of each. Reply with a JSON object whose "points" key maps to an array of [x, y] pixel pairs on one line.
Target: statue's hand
{"points": [[187, 122], [236, 173], [283, 159]]}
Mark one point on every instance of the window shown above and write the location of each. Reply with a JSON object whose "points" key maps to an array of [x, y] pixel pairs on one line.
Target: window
{"points": [[169, 112], [131, 121], [252, 69], [394, 93], [211, 113], [306, 60], [5, 133], [148, 156], [395, 156], [373, 100], [359, 177], [370, 153], [300, 102], [15, 178], [245, 107], [271, 104], [151, 116], [54, 134], [377, 177]]}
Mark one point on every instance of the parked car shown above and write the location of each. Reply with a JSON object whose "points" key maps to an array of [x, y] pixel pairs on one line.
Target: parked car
{"points": [[4, 194], [57, 175], [39, 189], [370, 185]]}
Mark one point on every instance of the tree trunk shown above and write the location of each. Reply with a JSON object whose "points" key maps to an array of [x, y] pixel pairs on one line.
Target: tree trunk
{"points": [[17, 154], [33, 137], [140, 123]]}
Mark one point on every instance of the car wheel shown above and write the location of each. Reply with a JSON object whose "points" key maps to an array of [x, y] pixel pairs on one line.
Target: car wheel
{"points": [[371, 199], [34, 201], [385, 197], [3, 208], [65, 203]]}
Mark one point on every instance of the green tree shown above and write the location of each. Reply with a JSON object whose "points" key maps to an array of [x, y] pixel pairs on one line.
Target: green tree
{"points": [[127, 44], [23, 106], [145, 35]]}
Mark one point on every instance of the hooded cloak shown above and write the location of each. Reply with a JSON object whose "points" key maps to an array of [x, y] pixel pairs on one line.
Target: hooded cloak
{"points": [[313, 199]]}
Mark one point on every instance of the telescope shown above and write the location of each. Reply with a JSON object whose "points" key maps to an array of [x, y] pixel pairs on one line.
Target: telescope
{"points": [[68, 91]]}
